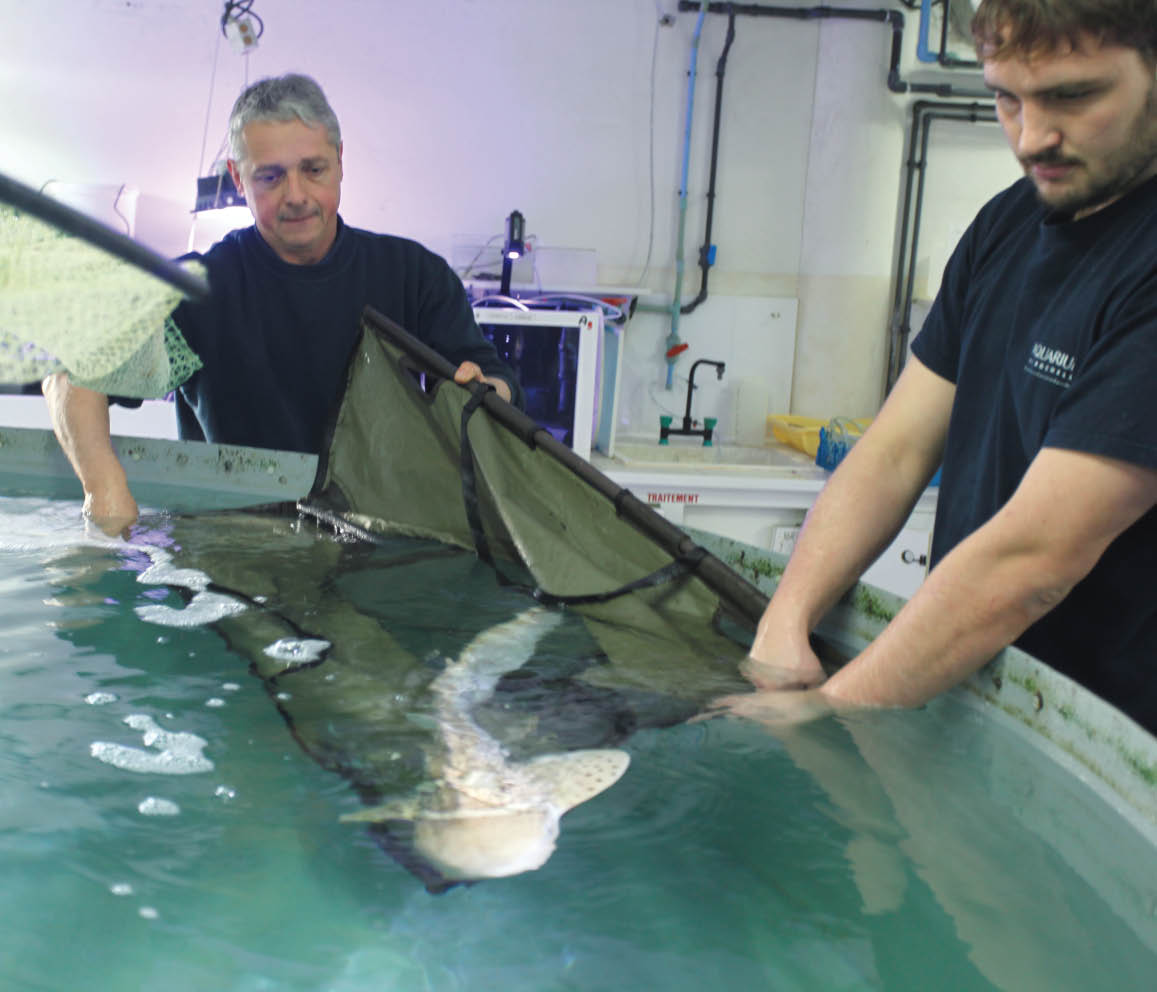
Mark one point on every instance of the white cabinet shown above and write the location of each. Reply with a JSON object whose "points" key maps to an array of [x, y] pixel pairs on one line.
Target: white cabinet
{"points": [[904, 563], [761, 501]]}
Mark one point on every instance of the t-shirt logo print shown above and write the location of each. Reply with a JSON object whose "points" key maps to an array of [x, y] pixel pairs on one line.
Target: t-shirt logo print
{"points": [[1051, 364]]}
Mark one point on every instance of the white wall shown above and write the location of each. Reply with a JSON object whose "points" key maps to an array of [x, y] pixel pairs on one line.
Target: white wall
{"points": [[455, 112]]}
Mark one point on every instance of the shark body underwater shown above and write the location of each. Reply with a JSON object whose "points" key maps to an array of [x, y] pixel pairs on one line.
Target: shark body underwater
{"points": [[467, 718], [484, 816]]}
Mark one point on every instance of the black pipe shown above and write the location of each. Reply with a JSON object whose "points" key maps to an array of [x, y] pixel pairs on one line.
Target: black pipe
{"points": [[745, 598], [923, 113], [65, 218], [705, 260], [893, 18], [946, 60]]}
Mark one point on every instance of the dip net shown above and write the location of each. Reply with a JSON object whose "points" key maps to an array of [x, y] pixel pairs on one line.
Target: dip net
{"points": [[411, 453], [78, 297]]}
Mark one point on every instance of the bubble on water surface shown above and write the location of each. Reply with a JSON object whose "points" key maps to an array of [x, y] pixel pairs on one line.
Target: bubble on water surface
{"points": [[100, 698], [121, 889], [214, 702]]}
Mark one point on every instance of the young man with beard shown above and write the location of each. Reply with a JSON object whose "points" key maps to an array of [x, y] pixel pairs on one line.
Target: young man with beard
{"points": [[1033, 383]]}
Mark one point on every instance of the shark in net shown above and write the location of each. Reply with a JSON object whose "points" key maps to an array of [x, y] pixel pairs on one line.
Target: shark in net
{"points": [[467, 718]]}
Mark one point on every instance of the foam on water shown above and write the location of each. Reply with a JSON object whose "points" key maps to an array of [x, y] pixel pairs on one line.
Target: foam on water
{"points": [[153, 806], [28, 524], [176, 753], [100, 698], [37, 525], [297, 651], [204, 608]]}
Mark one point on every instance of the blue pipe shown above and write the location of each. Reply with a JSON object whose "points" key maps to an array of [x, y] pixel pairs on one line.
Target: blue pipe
{"points": [[923, 52], [673, 340]]}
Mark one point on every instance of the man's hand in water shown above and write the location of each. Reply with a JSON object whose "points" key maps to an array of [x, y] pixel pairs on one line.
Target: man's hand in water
{"points": [[772, 708], [112, 509]]}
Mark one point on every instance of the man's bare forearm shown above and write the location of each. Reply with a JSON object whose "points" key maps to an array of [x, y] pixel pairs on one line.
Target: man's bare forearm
{"points": [[856, 516], [81, 422], [978, 600], [1001, 579]]}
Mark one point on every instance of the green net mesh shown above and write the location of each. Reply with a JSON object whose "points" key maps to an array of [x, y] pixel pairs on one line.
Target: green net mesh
{"points": [[68, 306], [533, 510]]}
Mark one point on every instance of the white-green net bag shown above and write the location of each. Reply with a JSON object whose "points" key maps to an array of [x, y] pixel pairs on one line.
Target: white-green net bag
{"points": [[67, 305]]}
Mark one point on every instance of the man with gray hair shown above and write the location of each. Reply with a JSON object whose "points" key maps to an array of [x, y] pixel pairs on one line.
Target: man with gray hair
{"points": [[1032, 382], [287, 295]]}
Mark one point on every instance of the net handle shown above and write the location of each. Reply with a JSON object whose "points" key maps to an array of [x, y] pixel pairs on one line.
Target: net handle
{"points": [[745, 598], [80, 225]]}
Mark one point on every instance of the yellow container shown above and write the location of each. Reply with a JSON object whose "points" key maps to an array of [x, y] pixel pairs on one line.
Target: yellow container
{"points": [[802, 433]]}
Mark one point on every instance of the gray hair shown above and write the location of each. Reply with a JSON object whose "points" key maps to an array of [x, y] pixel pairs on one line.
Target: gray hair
{"points": [[281, 98]]}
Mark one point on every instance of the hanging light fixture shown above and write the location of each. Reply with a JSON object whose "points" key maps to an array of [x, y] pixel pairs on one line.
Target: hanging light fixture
{"points": [[217, 191]]}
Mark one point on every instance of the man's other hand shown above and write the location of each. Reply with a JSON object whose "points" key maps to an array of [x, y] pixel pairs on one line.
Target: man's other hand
{"points": [[470, 372]]}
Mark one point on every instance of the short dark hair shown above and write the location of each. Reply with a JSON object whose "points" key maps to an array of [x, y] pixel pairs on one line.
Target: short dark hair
{"points": [[282, 98], [1003, 28]]}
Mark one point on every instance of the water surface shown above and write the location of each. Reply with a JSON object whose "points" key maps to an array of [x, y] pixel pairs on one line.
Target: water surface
{"points": [[927, 850]]}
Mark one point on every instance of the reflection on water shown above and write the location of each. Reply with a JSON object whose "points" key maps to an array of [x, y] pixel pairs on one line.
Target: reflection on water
{"points": [[926, 850]]}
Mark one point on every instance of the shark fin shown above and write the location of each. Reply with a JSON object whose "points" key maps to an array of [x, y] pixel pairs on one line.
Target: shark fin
{"points": [[573, 778], [405, 808]]}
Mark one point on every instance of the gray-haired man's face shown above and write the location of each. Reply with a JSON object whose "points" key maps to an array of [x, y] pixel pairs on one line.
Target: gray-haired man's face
{"points": [[291, 176]]}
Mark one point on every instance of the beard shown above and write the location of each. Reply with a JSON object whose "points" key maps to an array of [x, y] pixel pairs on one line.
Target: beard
{"points": [[1097, 183]]}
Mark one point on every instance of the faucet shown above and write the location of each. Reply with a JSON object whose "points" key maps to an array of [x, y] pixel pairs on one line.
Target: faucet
{"points": [[665, 428]]}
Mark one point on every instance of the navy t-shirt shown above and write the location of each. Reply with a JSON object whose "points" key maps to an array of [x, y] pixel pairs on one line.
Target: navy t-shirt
{"points": [[1048, 328], [275, 338]]}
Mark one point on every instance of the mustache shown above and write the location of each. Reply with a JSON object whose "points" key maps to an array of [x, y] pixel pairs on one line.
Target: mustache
{"points": [[1051, 157]]}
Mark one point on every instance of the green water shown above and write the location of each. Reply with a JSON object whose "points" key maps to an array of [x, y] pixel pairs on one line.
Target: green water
{"points": [[927, 850]]}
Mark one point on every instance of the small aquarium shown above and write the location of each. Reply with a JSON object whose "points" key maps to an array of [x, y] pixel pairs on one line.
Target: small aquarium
{"points": [[554, 352]]}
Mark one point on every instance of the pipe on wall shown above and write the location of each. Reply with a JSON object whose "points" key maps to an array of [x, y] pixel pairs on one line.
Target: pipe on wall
{"points": [[899, 328], [893, 19], [924, 112], [675, 345], [707, 249]]}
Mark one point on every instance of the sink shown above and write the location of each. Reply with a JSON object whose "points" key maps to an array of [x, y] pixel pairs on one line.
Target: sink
{"points": [[720, 456]]}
